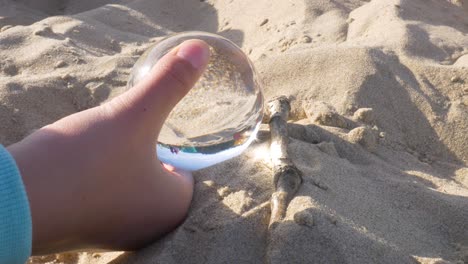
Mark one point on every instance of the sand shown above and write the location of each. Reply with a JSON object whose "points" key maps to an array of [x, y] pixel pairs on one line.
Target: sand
{"points": [[379, 125]]}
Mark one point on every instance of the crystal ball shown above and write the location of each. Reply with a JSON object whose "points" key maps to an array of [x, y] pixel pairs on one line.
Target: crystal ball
{"points": [[220, 116]]}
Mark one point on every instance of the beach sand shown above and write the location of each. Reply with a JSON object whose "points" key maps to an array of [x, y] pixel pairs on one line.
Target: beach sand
{"points": [[379, 123]]}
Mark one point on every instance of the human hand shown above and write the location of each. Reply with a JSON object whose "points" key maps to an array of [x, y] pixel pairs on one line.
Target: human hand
{"points": [[93, 179]]}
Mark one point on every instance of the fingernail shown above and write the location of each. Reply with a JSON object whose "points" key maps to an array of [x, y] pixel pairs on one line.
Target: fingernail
{"points": [[168, 167], [197, 52]]}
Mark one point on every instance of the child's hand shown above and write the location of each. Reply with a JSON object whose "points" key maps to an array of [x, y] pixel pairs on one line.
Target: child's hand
{"points": [[93, 179]]}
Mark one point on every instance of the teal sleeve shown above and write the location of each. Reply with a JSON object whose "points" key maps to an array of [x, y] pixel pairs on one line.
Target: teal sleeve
{"points": [[15, 216]]}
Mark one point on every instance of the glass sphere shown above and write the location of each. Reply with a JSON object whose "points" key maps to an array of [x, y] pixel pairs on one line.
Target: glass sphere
{"points": [[219, 118]]}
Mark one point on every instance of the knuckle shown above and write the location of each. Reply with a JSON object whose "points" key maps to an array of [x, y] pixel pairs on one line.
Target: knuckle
{"points": [[178, 73]]}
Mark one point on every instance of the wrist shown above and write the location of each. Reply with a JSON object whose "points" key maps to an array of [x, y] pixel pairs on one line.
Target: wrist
{"points": [[52, 216]]}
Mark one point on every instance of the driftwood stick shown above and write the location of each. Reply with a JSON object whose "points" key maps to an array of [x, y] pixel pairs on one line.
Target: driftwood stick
{"points": [[287, 178]]}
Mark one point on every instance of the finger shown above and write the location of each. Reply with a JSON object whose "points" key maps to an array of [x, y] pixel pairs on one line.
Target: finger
{"points": [[168, 82]]}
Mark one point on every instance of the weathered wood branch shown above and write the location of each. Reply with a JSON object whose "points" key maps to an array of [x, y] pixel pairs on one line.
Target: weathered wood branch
{"points": [[287, 178]]}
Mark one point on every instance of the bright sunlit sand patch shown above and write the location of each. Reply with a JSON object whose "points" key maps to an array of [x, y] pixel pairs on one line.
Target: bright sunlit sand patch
{"points": [[447, 186], [261, 153], [424, 260]]}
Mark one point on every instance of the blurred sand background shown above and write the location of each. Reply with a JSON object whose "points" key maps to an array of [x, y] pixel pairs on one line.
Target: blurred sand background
{"points": [[382, 185]]}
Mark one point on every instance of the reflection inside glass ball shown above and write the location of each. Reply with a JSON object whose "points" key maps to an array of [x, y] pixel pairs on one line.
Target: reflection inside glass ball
{"points": [[219, 117]]}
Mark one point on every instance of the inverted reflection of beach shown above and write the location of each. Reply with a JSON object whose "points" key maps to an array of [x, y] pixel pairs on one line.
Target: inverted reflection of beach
{"points": [[195, 161]]}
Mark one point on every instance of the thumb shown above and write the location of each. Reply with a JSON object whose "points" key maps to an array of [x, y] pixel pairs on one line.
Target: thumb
{"points": [[153, 98]]}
